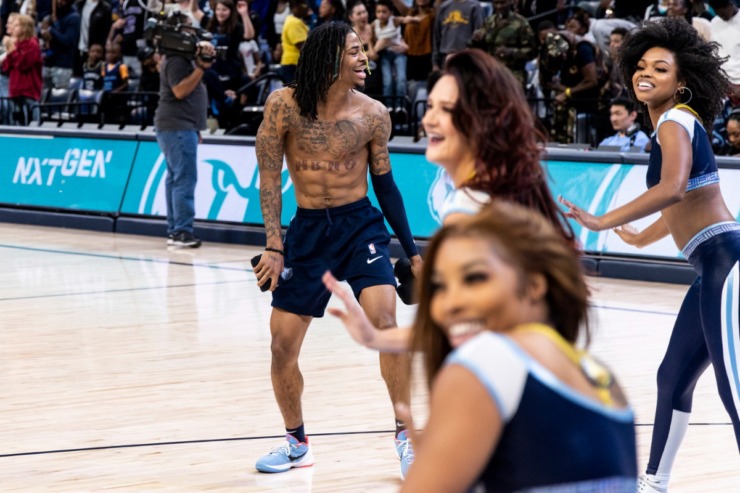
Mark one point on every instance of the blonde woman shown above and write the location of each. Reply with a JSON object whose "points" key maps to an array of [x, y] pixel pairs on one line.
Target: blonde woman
{"points": [[23, 65]]}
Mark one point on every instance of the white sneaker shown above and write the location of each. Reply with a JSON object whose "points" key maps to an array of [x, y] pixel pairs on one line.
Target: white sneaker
{"points": [[648, 486]]}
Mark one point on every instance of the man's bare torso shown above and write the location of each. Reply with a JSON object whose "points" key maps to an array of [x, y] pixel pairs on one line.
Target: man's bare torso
{"points": [[328, 157]]}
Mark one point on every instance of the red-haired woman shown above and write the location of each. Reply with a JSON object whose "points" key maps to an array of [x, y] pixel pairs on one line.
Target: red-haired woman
{"points": [[489, 145]]}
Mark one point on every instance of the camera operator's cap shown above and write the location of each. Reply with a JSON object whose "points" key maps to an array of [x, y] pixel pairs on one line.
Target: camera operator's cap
{"points": [[144, 53]]}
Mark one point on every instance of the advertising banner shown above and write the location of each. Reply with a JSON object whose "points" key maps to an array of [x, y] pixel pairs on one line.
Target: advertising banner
{"points": [[227, 189], [63, 172]]}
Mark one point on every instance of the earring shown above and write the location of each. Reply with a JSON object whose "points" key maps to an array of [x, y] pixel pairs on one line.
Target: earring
{"points": [[681, 91]]}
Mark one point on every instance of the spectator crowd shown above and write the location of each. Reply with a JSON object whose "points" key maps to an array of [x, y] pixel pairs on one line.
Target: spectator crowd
{"points": [[563, 54]]}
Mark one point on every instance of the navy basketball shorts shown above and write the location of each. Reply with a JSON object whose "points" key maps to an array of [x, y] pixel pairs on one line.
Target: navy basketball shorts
{"points": [[350, 240]]}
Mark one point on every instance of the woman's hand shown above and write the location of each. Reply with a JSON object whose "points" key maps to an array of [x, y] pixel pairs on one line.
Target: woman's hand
{"points": [[588, 221], [354, 318], [629, 234]]}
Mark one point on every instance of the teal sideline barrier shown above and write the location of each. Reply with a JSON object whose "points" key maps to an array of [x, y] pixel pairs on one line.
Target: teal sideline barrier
{"points": [[125, 174], [65, 172]]}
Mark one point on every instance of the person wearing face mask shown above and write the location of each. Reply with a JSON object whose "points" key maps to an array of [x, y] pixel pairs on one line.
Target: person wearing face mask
{"points": [[679, 78], [503, 301]]}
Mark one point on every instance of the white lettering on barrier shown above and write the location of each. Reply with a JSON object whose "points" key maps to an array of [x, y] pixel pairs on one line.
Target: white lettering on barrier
{"points": [[84, 163]]}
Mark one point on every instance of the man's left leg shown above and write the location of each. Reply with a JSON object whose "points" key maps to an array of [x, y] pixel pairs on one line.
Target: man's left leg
{"points": [[184, 169], [379, 303]]}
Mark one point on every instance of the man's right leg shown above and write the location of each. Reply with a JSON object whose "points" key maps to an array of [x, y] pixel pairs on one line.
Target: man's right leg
{"points": [[288, 331], [164, 139]]}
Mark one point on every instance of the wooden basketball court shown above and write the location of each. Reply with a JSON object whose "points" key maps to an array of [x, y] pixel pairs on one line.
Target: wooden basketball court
{"points": [[125, 366]]}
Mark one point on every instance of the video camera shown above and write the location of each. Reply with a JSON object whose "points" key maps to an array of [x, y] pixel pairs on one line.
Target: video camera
{"points": [[170, 35]]}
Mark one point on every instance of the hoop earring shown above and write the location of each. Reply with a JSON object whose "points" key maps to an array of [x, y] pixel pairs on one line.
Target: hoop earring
{"points": [[681, 91]]}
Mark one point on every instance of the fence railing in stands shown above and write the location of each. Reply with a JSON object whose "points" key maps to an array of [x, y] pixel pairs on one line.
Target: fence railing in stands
{"points": [[78, 107]]}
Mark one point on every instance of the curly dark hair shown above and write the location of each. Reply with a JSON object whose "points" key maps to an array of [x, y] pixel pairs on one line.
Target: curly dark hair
{"points": [[493, 113], [699, 64], [318, 65]]}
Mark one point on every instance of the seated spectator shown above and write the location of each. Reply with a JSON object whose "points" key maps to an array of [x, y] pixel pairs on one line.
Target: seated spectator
{"points": [[623, 114], [733, 134], [92, 69]]}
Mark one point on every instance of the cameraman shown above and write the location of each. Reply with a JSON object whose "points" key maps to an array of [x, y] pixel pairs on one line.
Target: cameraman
{"points": [[179, 118]]}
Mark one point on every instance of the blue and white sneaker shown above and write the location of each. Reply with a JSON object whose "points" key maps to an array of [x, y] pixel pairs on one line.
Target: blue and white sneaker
{"points": [[291, 454], [405, 452]]}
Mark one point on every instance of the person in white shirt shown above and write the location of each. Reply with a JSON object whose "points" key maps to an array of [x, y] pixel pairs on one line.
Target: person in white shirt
{"points": [[725, 31]]}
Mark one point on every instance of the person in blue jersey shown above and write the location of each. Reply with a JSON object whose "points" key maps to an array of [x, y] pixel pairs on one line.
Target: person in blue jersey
{"points": [[679, 77], [514, 405]]}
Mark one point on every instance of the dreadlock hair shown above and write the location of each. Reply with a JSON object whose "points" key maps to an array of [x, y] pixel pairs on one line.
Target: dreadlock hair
{"points": [[318, 66], [698, 62]]}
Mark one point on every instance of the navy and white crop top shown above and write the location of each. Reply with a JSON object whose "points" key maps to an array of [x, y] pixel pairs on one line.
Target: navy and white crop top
{"points": [[703, 166], [553, 439]]}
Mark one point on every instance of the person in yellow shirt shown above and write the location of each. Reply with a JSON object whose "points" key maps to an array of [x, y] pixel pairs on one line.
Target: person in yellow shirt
{"points": [[295, 32]]}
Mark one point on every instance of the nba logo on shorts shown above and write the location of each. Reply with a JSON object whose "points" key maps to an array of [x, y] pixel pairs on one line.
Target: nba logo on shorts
{"points": [[371, 247]]}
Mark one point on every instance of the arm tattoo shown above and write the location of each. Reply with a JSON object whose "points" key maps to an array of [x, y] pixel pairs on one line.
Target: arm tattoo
{"points": [[270, 146], [379, 125]]}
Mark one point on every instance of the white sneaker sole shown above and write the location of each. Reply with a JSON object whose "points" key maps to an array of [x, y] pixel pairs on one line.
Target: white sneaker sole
{"points": [[305, 461]]}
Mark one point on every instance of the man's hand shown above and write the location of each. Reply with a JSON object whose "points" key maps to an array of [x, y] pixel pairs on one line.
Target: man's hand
{"points": [[269, 268], [207, 50]]}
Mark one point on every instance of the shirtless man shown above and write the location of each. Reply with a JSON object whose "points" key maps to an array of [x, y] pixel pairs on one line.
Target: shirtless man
{"points": [[329, 134]]}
